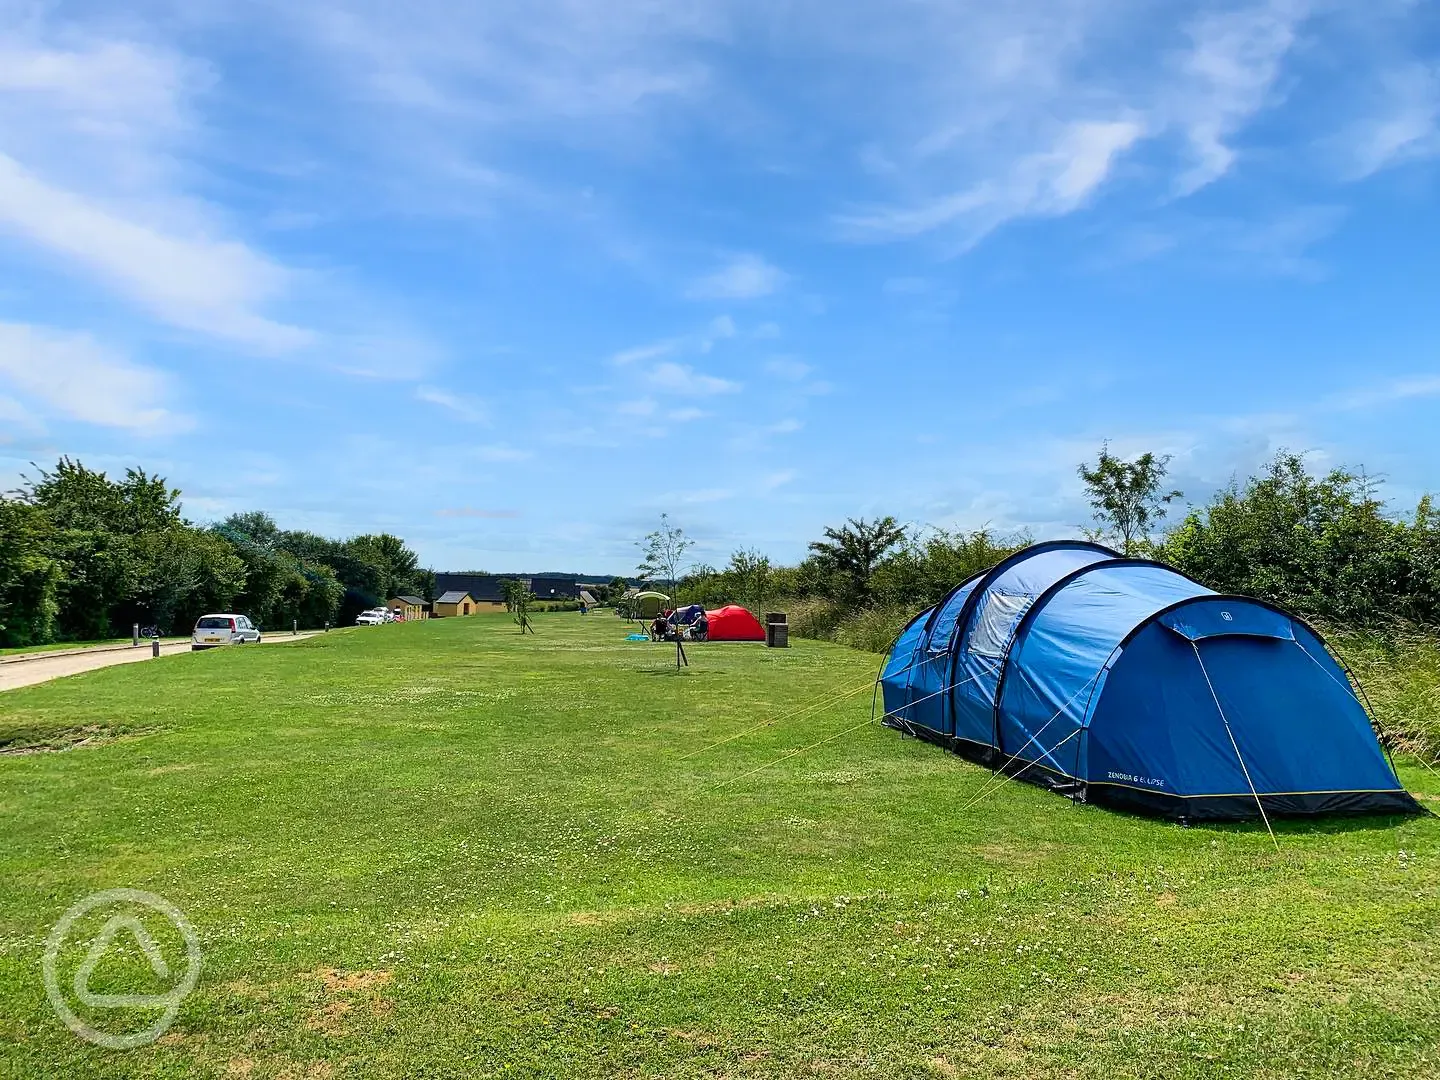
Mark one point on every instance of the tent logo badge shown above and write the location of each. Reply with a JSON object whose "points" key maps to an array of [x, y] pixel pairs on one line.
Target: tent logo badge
{"points": [[125, 927], [1227, 616]]}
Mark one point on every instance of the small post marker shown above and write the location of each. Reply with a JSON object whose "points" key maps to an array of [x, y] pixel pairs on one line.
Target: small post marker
{"points": [[134, 635], [155, 646], [294, 626], [327, 626]]}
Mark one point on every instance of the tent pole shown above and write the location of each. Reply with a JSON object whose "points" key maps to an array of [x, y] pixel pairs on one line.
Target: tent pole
{"points": [[1234, 745], [881, 674]]}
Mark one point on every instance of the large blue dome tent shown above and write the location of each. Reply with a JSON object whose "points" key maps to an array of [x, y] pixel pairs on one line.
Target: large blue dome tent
{"points": [[1124, 683]]}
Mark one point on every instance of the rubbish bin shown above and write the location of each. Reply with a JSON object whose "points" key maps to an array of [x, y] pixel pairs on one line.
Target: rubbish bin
{"points": [[777, 630]]}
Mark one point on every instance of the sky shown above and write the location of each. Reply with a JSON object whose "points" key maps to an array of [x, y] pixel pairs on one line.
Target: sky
{"points": [[512, 279]]}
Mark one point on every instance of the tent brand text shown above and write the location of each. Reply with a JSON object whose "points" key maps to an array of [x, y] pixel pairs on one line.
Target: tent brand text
{"points": [[1144, 781]]}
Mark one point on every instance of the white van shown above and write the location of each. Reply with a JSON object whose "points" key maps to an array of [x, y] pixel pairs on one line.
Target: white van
{"points": [[224, 629]]}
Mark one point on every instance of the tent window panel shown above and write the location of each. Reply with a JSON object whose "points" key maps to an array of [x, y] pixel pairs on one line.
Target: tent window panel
{"points": [[943, 634], [996, 622]]}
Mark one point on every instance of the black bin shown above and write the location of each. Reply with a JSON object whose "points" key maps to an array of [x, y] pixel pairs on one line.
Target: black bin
{"points": [[777, 630]]}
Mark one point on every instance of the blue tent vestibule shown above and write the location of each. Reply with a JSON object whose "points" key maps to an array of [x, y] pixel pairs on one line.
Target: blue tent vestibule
{"points": [[1122, 682]]}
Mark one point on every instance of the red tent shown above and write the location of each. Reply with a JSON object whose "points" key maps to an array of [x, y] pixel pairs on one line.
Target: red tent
{"points": [[734, 623]]}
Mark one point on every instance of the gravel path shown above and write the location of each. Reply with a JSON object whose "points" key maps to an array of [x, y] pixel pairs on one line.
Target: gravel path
{"points": [[42, 667]]}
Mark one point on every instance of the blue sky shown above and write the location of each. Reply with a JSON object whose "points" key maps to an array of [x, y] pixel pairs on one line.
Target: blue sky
{"points": [[511, 279]]}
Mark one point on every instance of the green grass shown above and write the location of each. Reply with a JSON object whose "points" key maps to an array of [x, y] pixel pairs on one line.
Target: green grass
{"points": [[446, 850]]}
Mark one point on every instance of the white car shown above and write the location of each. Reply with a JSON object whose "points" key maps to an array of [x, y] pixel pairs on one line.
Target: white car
{"points": [[223, 629], [373, 617]]}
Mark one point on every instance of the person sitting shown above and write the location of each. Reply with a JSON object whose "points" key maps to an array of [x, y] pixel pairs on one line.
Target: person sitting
{"points": [[700, 631], [659, 628]]}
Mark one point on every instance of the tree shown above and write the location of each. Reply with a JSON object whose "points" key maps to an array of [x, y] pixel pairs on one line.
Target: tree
{"points": [[750, 572], [664, 552], [1126, 496], [399, 566], [517, 601], [1322, 545], [849, 555], [29, 577]]}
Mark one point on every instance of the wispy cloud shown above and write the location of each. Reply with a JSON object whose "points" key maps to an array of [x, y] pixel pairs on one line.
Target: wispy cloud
{"points": [[474, 512], [798, 373], [212, 287], [1050, 182], [1280, 244], [465, 406], [1389, 392], [1404, 126], [654, 350], [1228, 74], [682, 379], [498, 453], [743, 277], [74, 376], [774, 480], [788, 368]]}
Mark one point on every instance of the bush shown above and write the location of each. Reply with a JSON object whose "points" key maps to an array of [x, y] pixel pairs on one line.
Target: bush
{"points": [[873, 629], [813, 617], [1399, 669]]}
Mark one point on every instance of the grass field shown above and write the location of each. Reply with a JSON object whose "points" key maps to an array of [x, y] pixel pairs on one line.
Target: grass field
{"points": [[445, 850]]}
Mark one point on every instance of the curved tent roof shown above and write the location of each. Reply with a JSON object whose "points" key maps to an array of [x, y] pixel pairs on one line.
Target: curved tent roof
{"points": [[734, 623], [1124, 682]]}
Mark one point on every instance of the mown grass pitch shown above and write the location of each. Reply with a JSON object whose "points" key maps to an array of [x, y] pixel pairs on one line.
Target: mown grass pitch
{"points": [[446, 850]]}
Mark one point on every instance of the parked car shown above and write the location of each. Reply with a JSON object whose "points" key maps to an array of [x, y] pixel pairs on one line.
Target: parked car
{"points": [[223, 629], [372, 617]]}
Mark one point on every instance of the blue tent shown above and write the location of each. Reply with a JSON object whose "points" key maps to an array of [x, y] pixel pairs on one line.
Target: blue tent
{"points": [[1123, 682]]}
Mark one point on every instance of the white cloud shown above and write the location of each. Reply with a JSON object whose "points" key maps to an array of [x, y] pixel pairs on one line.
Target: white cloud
{"points": [[682, 379], [699, 497], [774, 480], [194, 282], [474, 512], [788, 368], [1229, 74], [766, 331], [744, 277], [788, 426], [681, 416], [638, 407], [1050, 182], [645, 352], [498, 453], [467, 407], [1404, 127], [74, 376], [16, 419], [1390, 392], [1279, 244]]}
